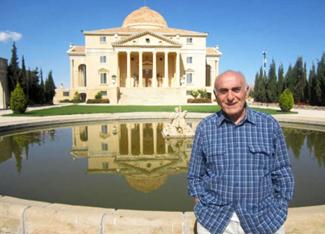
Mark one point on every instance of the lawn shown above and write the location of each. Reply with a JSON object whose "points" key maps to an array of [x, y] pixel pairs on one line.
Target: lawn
{"points": [[91, 109]]}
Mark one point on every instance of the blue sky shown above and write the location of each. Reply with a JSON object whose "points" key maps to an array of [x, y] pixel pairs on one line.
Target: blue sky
{"points": [[286, 29]]}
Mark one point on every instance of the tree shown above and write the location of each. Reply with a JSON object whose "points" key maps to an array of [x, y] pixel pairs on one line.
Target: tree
{"points": [[315, 90], [49, 89], [41, 89], [286, 100], [321, 78], [259, 87], [13, 69], [23, 77], [34, 86], [271, 89], [280, 84], [18, 100], [298, 81]]}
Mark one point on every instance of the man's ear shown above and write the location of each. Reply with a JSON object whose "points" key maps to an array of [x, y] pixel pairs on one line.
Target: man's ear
{"points": [[247, 90]]}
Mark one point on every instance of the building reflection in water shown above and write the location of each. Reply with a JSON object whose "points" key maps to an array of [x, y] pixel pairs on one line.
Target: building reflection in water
{"points": [[137, 151]]}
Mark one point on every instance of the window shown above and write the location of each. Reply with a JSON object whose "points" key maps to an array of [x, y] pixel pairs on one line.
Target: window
{"points": [[104, 147], [102, 40], [102, 59], [104, 93], [105, 165], [66, 93], [148, 40], [189, 78], [189, 59], [104, 129], [103, 78], [189, 40]]}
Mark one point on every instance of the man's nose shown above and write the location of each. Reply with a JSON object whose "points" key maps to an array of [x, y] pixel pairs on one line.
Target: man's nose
{"points": [[230, 95]]}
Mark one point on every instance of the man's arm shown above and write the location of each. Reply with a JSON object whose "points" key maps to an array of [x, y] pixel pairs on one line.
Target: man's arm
{"points": [[282, 176], [196, 169]]}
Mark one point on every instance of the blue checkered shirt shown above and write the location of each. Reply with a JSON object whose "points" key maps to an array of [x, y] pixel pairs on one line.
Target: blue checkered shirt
{"points": [[240, 168]]}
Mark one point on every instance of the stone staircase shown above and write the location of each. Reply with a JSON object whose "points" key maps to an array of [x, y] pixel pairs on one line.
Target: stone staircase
{"points": [[152, 96]]}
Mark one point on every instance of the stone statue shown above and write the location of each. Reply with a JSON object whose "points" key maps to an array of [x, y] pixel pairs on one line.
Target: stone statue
{"points": [[178, 126]]}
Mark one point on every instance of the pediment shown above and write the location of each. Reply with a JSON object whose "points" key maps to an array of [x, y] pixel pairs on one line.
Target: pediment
{"points": [[146, 39]]}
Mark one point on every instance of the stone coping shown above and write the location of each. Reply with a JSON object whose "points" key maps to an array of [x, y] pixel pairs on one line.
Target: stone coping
{"points": [[26, 216], [10, 123], [32, 217]]}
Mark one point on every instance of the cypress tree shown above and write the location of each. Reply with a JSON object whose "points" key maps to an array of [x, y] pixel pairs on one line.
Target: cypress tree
{"points": [[13, 70], [287, 79], [297, 82], [315, 90], [280, 84], [49, 88], [271, 89], [41, 89], [34, 86], [321, 78], [23, 77], [259, 87]]}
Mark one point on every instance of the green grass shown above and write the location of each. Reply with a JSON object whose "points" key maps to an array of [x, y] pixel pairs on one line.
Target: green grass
{"points": [[91, 109]]}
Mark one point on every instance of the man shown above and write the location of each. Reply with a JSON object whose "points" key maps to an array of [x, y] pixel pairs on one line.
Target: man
{"points": [[239, 173]]}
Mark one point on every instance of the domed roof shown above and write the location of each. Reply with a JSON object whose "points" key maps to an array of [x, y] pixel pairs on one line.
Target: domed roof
{"points": [[144, 17]]}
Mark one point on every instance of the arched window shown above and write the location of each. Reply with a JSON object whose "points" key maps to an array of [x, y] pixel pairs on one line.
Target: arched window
{"points": [[82, 75]]}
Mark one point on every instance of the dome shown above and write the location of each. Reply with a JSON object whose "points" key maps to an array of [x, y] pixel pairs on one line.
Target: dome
{"points": [[144, 17]]}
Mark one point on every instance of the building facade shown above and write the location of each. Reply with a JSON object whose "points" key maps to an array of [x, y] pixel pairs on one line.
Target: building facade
{"points": [[143, 61], [4, 102]]}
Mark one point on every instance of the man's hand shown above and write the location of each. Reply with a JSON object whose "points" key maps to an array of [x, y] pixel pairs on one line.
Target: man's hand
{"points": [[196, 200]]}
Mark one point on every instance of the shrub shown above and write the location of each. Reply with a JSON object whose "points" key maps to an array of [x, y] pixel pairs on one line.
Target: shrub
{"points": [[104, 100], [198, 100], [98, 96], [65, 101], [286, 100], [203, 93], [76, 97], [18, 100], [195, 93]]}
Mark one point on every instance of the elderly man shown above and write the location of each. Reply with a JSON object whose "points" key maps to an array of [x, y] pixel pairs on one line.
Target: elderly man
{"points": [[239, 173]]}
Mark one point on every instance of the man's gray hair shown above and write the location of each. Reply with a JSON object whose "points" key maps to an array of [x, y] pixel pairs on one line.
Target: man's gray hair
{"points": [[228, 72]]}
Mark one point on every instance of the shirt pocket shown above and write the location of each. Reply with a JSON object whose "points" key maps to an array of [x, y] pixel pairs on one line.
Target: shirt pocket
{"points": [[216, 161], [261, 157]]}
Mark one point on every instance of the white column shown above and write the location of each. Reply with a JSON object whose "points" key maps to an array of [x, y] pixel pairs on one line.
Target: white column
{"points": [[177, 69], [140, 69], [165, 82], [141, 138], [154, 127], [129, 139], [216, 72], [154, 69], [128, 69]]}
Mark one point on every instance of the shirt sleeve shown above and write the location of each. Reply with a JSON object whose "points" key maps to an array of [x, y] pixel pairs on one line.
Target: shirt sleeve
{"points": [[282, 176], [196, 169]]}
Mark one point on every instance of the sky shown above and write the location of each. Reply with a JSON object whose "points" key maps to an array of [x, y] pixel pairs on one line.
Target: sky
{"points": [[243, 29]]}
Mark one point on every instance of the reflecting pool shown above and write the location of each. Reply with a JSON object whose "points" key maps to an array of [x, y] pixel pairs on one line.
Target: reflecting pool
{"points": [[129, 165]]}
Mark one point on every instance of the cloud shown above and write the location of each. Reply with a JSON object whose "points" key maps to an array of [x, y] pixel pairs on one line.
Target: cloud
{"points": [[8, 35]]}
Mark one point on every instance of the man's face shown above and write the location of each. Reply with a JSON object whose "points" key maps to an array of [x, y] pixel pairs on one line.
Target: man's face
{"points": [[231, 92]]}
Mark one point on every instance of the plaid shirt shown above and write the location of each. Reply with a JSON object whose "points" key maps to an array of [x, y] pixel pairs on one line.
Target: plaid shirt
{"points": [[240, 168]]}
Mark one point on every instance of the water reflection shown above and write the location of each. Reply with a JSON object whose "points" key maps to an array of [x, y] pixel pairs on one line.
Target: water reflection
{"points": [[314, 141], [17, 146], [130, 165], [137, 151]]}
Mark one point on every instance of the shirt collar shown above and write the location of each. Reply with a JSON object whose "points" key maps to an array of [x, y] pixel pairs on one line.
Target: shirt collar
{"points": [[249, 117]]}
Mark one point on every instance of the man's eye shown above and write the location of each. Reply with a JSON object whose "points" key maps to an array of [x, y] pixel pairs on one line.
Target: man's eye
{"points": [[236, 90], [223, 91]]}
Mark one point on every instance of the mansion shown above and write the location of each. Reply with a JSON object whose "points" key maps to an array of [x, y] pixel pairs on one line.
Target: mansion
{"points": [[142, 62]]}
